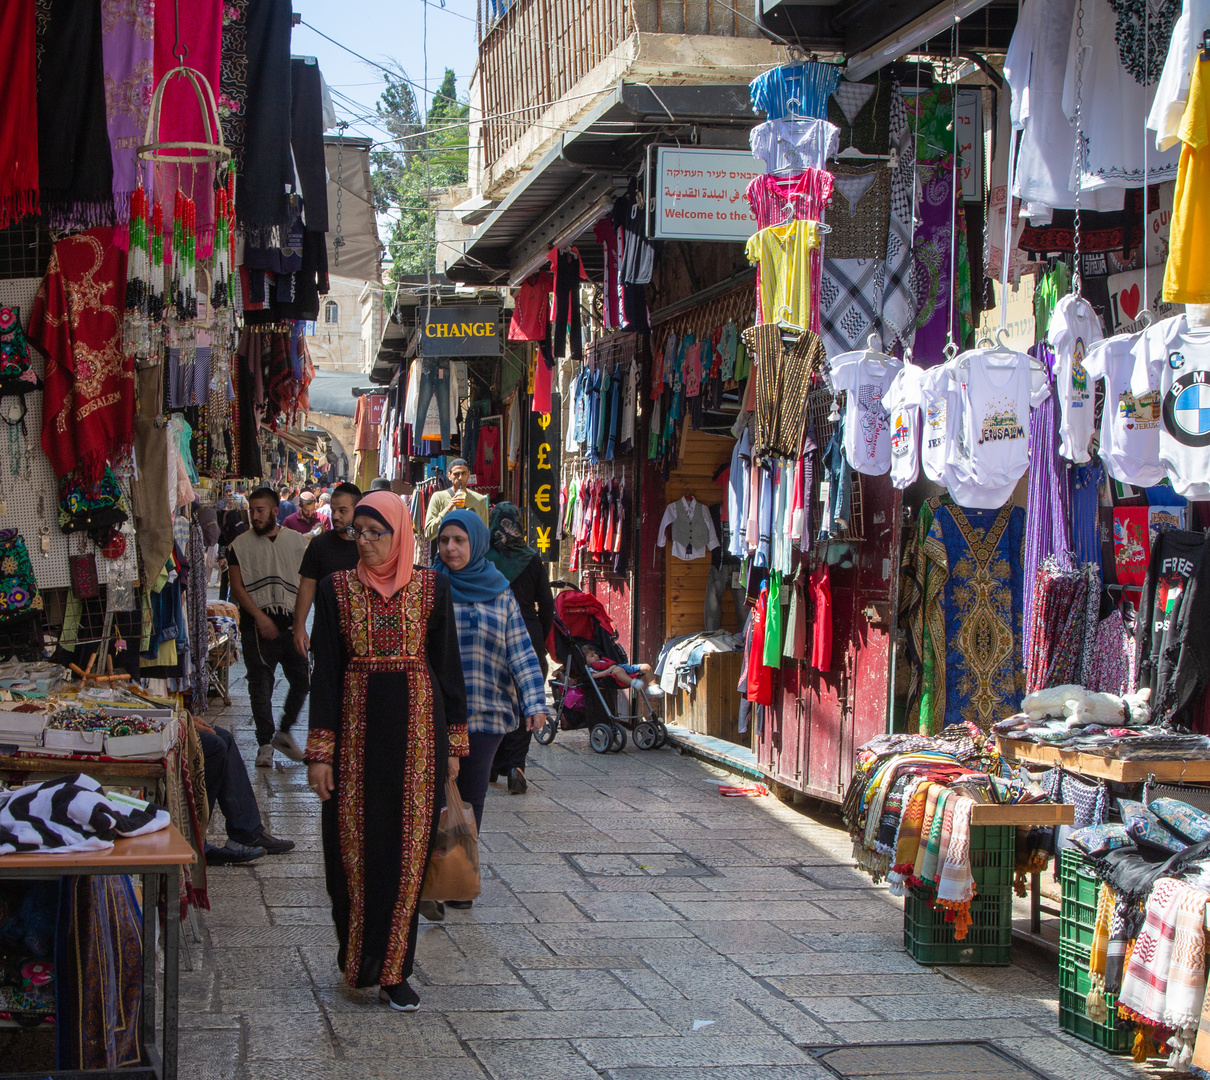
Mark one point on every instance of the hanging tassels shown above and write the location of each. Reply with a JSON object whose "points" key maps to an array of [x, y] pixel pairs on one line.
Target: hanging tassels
{"points": [[184, 257], [221, 295]]}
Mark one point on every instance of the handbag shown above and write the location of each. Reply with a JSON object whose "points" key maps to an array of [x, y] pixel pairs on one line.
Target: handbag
{"points": [[453, 870], [18, 587], [84, 582]]}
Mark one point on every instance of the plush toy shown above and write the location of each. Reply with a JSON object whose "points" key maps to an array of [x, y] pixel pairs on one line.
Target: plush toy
{"points": [[1050, 702], [1109, 710]]}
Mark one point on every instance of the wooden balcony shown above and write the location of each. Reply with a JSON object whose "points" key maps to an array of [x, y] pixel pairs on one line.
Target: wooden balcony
{"points": [[533, 52]]}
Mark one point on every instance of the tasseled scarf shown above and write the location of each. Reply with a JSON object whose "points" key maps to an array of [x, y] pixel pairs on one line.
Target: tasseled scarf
{"points": [[18, 112], [956, 883]]}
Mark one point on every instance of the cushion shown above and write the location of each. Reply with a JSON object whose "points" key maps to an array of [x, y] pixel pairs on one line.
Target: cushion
{"points": [[1146, 829], [1100, 840], [1186, 821]]}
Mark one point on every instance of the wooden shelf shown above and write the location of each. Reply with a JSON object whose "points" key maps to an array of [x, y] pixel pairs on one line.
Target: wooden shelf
{"points": [[158, 849], [1106, 768]]}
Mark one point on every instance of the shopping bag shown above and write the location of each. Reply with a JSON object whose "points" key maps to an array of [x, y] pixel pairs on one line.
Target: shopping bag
{"points": [[453, 870]]}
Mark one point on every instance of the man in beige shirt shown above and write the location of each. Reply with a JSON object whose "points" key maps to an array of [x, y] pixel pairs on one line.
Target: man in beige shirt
{"points": [[455, 498]]}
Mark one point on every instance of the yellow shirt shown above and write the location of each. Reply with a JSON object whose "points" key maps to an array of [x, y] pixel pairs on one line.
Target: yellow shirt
{"points": [[783, 253], [1187, 275]]}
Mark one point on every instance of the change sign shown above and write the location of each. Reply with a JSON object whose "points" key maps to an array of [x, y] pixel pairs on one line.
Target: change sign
{"points": [[542, 480], [460, 331]]}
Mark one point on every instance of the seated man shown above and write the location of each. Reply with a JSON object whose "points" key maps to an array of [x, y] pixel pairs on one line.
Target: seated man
{"points": [[635, 676], [227, 784]]}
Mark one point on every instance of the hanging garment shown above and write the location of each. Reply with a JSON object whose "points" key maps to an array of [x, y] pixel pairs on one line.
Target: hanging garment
{"points": [[783, 253], [1074, 328], [902, 404], [76, 324], [861, 210], [611, 295], [19, 112], [898, 291], [568, 273], [794, 90], [852, 296], [1119, 78], [821, 625], [1182, 356], [932, 275], [693, 535], [1172, 91], [1035, 68], [127, 33], [1187, 273], [760, 675], [531, 310], [982, 604], [803, 196], [793, 146], [865, 378], [935, 394], [782, 378], [861, 112], [75, 166]]}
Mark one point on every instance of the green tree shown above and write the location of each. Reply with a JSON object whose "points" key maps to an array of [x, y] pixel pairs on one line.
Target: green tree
{"points": [[427, 156]]}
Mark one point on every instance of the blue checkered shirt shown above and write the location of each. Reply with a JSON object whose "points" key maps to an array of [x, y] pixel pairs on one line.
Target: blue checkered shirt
{"points": [[503, 678]]}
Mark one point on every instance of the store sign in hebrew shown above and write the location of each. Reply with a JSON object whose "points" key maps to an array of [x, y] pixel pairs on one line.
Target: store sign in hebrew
{"points": [[542, 480], [700, 194], [460, 331]]}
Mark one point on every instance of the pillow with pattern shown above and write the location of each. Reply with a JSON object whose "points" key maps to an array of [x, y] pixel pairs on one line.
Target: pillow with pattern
{"points": [[1184, 820], [1146, 829], [1099, 840]]}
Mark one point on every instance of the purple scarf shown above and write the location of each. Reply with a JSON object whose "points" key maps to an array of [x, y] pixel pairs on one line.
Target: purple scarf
{"points": [[127, 38], [933, 272]]}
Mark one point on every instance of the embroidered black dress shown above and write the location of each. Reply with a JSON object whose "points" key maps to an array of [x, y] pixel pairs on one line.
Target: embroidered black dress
{"points": [[388, 706]]}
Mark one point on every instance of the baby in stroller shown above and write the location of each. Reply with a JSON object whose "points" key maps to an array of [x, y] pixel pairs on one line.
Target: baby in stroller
{"points": [[635, 676]]}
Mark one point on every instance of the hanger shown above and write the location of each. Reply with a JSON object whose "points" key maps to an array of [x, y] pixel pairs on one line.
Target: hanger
{"points": [[1205, 55]]}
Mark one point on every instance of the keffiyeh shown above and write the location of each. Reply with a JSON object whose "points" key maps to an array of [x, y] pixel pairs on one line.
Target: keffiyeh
{"points": [[956, 885]]}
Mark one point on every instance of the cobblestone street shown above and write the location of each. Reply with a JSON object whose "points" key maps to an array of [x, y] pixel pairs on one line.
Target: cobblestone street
{"points": [[633, 925]]}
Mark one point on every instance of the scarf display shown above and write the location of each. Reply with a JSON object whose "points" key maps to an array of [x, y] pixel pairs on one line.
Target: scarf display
{"points": [[232, 91], [1145, 985], [509, 551], [201, 32], [926, 863], [395, 571], [70, 814], [1095, 1006], [478, 581], [127, 32], [18, 112], [956, 882], [907, 845], [75, 167], [268, 168], [76, 323]]}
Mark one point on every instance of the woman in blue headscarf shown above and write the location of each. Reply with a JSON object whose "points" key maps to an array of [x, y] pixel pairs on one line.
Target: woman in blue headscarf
{"points": [[503, 677]]}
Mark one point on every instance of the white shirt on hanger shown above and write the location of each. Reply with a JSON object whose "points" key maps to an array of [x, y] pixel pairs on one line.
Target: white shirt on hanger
{"points": [[686, 506], [1074, 328], [794, 145], [865, 377], [902, 403], [1172, 91], [935, 393], [1182, 356], [996, 395]]}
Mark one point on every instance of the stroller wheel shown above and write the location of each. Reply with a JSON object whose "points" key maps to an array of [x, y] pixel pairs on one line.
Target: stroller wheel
{"points": [[661, 735], [600, 738], [546, 734], [619, 739], [646, 735]]}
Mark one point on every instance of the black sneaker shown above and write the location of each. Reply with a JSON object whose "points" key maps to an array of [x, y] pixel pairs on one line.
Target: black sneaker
{"points": [[232, 854], [273, 845], [432, 910], [401, 997], [459, 905], [517, 784]]}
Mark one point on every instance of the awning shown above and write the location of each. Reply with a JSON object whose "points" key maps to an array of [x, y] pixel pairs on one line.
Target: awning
{"points": [[332, 392], [351, 210], [594, 162]]}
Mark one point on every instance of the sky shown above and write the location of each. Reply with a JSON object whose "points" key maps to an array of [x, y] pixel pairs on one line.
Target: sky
{"points": [[384, 31]]}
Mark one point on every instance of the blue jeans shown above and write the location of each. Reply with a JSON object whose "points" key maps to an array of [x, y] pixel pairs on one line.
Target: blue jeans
{"points": [[227, 784], [434, 382]]}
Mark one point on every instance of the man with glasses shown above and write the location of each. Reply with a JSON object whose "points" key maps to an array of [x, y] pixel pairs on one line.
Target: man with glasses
{"points": [[306, 518], [263, 564], [326, 554]]}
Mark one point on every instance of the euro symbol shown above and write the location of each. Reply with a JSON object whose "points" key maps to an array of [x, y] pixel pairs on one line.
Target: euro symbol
{"points": [[543, 450], [542, 498], [544, 421], [543, 538]]}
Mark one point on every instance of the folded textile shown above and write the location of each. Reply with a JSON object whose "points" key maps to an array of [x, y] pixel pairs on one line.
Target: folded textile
{"points": [[18, 113], [71, 814], [926, 866], [907, 843], [956, 884]]}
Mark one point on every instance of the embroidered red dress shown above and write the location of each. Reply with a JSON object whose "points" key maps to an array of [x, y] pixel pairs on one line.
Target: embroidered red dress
{"points": [[388, 707], [76, 323]]}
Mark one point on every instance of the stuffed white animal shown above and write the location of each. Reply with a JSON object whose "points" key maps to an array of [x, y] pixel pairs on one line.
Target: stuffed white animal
{"points": [[1109, 710]]}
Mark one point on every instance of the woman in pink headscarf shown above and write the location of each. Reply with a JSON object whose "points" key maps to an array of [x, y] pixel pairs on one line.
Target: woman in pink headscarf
{"points": [[388, 722]]}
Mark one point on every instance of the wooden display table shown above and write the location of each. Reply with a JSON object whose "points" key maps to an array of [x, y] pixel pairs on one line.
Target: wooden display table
{"points": [[1105, 768], [33, 768], [154, 857]]}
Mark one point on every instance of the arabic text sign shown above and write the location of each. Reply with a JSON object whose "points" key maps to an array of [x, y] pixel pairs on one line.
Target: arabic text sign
{"points": [[699, 194]]}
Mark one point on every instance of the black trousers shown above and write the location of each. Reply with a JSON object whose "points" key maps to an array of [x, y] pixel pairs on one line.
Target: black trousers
{"points": [[261, 659], [227, 784]]}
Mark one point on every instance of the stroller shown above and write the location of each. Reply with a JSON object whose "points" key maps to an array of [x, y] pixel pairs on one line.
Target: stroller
{"points": [[580, 700]]}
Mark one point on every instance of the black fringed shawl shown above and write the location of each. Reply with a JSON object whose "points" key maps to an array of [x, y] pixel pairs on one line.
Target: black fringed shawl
{"points": [[75, 167], [261, 202]]}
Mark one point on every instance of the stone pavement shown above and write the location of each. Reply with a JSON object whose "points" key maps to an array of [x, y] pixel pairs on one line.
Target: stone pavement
{"points": [[634, 925]]}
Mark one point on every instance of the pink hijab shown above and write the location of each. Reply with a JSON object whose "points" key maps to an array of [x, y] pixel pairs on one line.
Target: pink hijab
{"points": [[395, 571]]}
